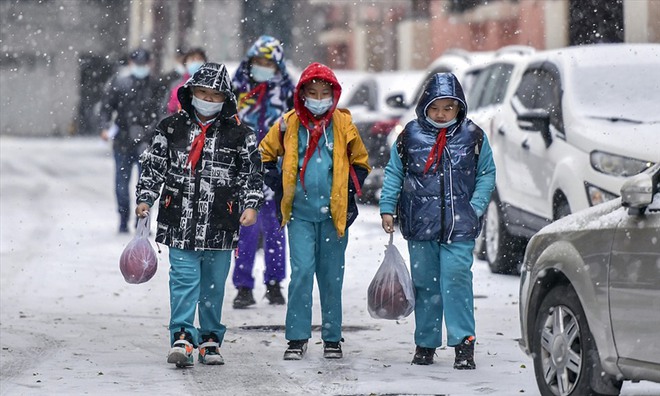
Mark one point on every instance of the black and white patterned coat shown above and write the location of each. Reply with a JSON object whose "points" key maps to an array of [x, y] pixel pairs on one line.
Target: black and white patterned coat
{"points": [[200, 210]]}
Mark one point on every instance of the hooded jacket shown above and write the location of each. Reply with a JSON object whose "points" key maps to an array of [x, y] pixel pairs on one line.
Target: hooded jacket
{"points": [[437, 204], [260, 104], [282, 141], [200, 209]]}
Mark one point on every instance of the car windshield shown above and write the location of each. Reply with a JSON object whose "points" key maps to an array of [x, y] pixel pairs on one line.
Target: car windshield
{"points": [[627, 93]]}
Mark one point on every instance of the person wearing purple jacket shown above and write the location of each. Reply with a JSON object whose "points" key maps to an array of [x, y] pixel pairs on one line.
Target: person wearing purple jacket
{"points": [[264, 92]]}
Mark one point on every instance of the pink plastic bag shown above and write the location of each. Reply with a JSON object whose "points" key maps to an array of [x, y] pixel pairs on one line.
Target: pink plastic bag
{"points": [[138, 261], [391, 294]]}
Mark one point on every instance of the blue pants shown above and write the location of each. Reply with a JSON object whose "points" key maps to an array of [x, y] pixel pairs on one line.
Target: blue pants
{"points": [[315, 249], [197, 283], [274, 241], [442, 276], [124, 163]]}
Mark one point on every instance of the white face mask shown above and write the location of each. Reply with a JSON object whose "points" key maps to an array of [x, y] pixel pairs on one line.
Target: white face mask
{"points": [[318, 106], [140, 72], [205, 108], [441, 125], [262, 73]]}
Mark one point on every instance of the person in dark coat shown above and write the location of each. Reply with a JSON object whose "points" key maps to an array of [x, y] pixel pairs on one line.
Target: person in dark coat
{"points": [[130, 107], [439, 180], [204, 165]]}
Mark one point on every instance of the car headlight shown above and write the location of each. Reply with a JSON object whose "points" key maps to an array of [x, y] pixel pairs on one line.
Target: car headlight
{"points": [[597, 195], [617, 165]]}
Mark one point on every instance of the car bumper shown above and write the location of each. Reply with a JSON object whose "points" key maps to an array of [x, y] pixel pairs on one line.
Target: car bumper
{"points": [[523, 342]]}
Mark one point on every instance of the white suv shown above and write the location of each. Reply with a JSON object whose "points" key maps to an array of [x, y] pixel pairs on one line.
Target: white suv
{"points": [[581, 120]]}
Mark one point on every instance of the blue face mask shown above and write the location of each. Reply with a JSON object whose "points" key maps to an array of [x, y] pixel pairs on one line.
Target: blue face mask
{"points": [[441, 125], [262, 73], [318, 106], [207, 109], [192, 67], [140, 72]]}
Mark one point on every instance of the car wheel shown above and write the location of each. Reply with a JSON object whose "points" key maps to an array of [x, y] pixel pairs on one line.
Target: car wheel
{"points": [[566, 360], [503, 251]]}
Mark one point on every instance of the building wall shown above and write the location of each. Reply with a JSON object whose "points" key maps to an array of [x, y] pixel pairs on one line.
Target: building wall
{"points": [[42, 45]]}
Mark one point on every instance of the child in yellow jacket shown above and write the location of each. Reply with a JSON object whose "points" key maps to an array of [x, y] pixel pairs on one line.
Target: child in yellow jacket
{"points": [[323, 164]]}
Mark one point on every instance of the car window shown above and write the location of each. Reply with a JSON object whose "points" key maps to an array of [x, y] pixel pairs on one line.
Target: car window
{"points": [[549, 97], [361, 96], [478, 86], [496, 84], [527, 89]]}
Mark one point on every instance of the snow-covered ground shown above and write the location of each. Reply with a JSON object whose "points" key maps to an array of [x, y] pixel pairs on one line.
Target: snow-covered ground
{"points": [[70, 325]]}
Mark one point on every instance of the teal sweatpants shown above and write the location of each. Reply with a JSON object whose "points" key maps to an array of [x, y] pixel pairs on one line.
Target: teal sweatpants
{"points": [[442, 276], [197, 283], [315, 249]]}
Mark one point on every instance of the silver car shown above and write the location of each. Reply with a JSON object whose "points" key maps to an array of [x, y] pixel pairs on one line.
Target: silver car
{"points": [[590, 294]]}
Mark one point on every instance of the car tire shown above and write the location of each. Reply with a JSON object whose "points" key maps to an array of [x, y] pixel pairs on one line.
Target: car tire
{"points": [[561, 334], [503, 251]]}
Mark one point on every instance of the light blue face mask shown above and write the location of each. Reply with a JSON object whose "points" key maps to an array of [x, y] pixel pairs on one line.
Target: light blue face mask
{"points": [[207, 109], [441, 125], [318, 106], [140, 72], [262, 73], [192, 67]]}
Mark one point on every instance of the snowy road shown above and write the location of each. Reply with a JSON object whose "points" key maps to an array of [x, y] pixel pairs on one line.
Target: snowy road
{"points": [[70, 325]]}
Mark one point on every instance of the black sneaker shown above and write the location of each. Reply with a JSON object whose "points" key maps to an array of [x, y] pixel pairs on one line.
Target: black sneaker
{"points": [[332, 350], [423, 356], [296, 350], [465, 354], [244, 298], [274, 293]]}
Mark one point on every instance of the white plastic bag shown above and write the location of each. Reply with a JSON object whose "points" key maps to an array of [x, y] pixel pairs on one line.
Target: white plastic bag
{"points": [[391, 294], [138, 261]]}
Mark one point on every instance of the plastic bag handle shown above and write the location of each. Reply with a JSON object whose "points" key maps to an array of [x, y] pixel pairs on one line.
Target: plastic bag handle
{"points": [[391, 239], [142, 229]]}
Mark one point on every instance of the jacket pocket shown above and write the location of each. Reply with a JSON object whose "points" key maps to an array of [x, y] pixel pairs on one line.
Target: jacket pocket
{"points": [[225, 213], [170, 209]]}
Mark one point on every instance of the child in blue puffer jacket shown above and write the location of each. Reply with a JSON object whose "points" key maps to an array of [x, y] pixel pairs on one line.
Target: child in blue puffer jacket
{"points": [[439, 180]]}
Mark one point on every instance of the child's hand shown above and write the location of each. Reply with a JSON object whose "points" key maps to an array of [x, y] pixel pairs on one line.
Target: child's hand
{"points": [[142, 209], [387, 223], [249, 217]]}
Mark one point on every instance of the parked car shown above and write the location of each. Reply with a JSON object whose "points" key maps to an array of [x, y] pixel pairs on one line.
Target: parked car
{"points": [[580, 122], [590, 294], [376, 103]]}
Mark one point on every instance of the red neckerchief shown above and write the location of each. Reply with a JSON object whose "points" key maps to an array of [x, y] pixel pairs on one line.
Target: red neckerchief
{"points": [[196, 146], [314, 137], [259, 89], [436, 151]]}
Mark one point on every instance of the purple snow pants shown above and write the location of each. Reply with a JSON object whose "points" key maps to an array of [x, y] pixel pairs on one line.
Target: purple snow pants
{"points": [[274, 242]]}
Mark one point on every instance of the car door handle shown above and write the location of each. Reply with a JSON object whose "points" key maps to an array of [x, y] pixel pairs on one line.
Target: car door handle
{"points": [[501, 131], [525, 144]]}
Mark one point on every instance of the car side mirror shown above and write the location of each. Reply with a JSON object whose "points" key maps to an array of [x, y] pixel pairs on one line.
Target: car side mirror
{"points": [[536, 121], [396, 101], [637, 191]]}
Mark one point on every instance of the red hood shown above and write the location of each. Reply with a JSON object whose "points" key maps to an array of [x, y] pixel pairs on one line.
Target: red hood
{"points": [[315, 71]]}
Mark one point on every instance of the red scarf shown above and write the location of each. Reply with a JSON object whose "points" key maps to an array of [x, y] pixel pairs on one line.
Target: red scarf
{"points": [[436, 151], [197, 146], [314, 137], [259, 90]]}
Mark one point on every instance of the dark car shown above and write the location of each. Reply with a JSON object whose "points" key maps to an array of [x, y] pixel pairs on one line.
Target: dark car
{"points": [[590, 294]]}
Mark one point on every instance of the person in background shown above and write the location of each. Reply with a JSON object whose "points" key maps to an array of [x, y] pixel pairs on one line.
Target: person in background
{"points": [[324, 163], [175, 75], [205, 167], [439, 180], [130, 107], [192, 61], [265, 92]]}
